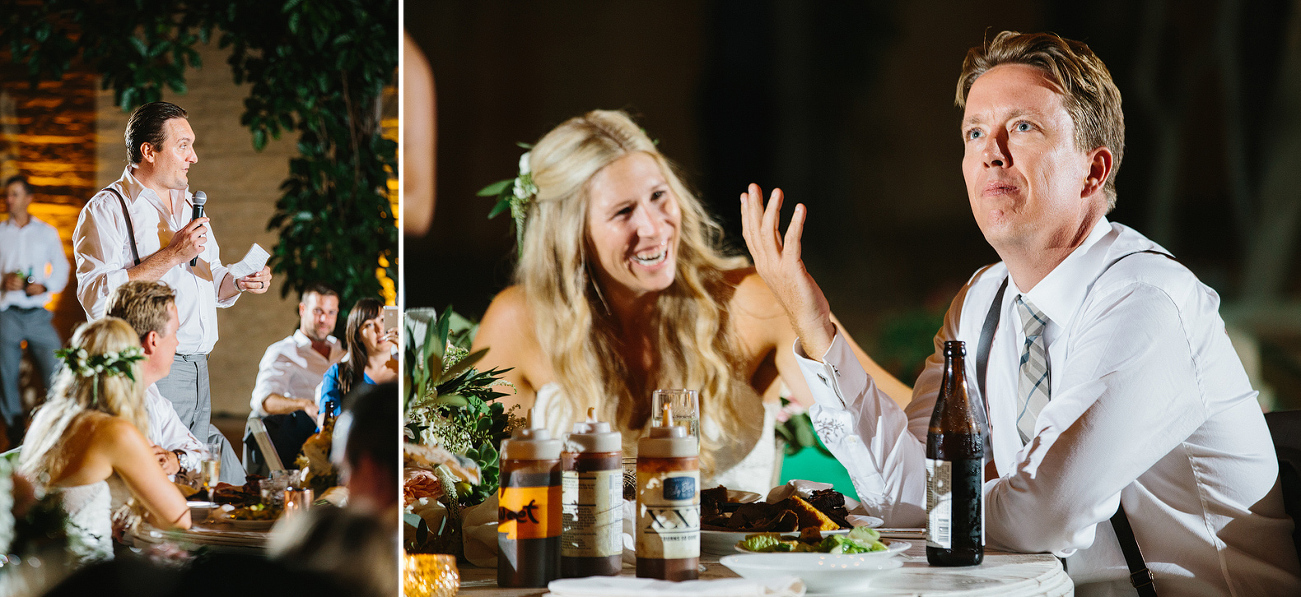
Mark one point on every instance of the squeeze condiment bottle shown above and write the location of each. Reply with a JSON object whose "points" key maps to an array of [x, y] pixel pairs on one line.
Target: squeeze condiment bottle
{"points": [[591, 540], [528, 512], [668, 502]]}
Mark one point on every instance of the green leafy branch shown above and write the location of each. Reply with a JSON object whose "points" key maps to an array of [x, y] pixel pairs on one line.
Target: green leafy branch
{"points": [[451, 403]]}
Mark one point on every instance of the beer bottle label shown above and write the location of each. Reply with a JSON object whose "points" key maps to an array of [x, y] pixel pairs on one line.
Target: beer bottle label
{"points": [[528, 512], [939, 503], [592, 512], [668, 515]]}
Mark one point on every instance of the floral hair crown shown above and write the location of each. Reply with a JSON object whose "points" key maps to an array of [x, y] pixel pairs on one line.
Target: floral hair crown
{"points": [[112, 364], [515, 194]]}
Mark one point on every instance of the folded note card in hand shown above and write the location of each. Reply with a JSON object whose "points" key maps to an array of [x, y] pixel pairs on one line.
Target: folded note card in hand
{"points": [[253, 262]]}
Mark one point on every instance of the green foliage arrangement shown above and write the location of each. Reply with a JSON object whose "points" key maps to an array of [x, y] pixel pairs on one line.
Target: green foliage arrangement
{"points": [[451, 404], [315, 67]]}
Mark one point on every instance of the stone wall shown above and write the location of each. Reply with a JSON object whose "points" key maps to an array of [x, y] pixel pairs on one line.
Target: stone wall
{"points": [[242, 187]]}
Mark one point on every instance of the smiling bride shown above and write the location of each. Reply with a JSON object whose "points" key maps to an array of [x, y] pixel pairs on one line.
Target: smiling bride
{"points": [[622, 287]]}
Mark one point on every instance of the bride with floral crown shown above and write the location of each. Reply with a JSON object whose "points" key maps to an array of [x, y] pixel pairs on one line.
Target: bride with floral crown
{"points": [[91, 431]]}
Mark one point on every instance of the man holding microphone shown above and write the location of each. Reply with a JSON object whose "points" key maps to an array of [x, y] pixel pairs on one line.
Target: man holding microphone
{"points": [[146, 227]]}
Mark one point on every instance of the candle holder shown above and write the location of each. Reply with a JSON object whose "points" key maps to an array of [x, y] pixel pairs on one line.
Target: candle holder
{"points": [[430, 575]]}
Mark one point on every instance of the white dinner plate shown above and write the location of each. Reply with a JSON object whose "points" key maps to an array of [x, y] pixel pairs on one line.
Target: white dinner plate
{"points": [[721, 543], [247, 525], [822, 573], [892, 547], [222, 517], [199, 510]]}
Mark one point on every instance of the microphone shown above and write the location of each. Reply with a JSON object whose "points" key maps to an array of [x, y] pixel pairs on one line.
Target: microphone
{"points": [[199, 199]]}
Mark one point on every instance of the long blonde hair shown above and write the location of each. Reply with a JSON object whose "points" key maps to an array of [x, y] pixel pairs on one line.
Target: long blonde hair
{"points": [[72, 395], [696, 348]]}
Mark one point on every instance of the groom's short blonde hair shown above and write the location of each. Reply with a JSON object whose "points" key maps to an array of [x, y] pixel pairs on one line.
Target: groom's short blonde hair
{"points": [[143, 305]]}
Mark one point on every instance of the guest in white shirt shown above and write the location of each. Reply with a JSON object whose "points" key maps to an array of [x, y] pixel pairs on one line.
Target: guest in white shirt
{"points": [[1144, 404], [142, 228], [150, 308], [292, 368], [33, 267]]}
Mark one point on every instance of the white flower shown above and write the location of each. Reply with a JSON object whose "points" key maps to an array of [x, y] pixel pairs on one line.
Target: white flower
{"points": [[524, 187], [524, 163]]}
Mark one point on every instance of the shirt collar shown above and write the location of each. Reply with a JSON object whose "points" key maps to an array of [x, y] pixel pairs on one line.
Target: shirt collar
{"points": [[1062, 291], [302, 340], [136, 190]]}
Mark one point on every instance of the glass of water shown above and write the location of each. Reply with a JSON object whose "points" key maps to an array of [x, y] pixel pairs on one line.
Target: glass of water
{"points": [[685, 406]]}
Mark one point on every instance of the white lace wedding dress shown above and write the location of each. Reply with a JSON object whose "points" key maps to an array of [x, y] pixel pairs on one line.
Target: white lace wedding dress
{"points": [[90, 527], [743, 465]]}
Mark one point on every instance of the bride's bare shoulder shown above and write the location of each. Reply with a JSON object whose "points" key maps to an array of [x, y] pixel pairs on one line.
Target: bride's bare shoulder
{"points": [[752, 299]]}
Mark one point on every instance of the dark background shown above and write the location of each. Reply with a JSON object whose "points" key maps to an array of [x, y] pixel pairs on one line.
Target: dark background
{"points": [[848, 106]]}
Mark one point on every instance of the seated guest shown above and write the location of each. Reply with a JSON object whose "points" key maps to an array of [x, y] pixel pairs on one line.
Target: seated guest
{"points": [[363, 448], [292, 368], [1113, 392], [284, 396], [356, 549], [369, 359], [327, 540], [150, 309], [93, 429], [623, 287]]}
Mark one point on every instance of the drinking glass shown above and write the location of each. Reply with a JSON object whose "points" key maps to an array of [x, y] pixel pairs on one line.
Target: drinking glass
{"points": [[684, 405], [297, 500], [210, 467]]}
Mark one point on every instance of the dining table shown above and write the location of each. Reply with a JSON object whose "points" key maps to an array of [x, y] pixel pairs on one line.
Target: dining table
{"points": [[205, 531], [1001, 573]]}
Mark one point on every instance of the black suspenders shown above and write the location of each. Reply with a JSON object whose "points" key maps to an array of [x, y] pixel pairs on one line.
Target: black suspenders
{"points": [[130, 230], [1139, 575]]}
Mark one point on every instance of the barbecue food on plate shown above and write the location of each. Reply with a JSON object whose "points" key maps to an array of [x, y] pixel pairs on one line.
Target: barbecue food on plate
{"points": [[831, 503], [808, 515], [825, 512]]}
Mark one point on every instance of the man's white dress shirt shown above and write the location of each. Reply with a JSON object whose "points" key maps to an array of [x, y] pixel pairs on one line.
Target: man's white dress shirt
{"points": [[168, 432], [1150, 405], [32, 248], [103, 254], [292, 369]]}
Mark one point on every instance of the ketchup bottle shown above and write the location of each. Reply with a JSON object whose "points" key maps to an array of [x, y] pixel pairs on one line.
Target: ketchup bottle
{"points": [[668, 502], [528, 512]]}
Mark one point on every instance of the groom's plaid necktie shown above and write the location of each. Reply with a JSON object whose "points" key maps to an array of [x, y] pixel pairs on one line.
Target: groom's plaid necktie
{"points": [[1033, 387]]}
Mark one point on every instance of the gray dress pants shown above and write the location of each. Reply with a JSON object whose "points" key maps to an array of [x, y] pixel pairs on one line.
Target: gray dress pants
{"points": [[186, 387], [16, 325]]}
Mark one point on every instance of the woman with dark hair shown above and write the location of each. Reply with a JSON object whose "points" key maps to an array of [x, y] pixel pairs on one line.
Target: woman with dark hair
{"points": [[369, 359]]}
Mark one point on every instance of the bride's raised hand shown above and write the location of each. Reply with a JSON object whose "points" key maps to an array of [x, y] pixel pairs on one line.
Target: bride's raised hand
{"points": [[778, 261]]}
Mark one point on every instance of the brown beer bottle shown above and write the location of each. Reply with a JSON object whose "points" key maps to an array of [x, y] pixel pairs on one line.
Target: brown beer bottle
{"points": [[955, 458], [528, 508]]}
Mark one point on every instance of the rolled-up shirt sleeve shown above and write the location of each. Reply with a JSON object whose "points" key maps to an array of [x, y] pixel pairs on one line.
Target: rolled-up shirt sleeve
{"points": [[272, 378], [168, 432], [219, 271], [1128, 398], [58, 278], [98, 244]]}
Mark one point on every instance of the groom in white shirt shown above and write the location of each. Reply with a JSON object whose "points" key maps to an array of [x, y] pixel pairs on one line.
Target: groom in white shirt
{"points": [[1142, 401], [150, 308]]}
